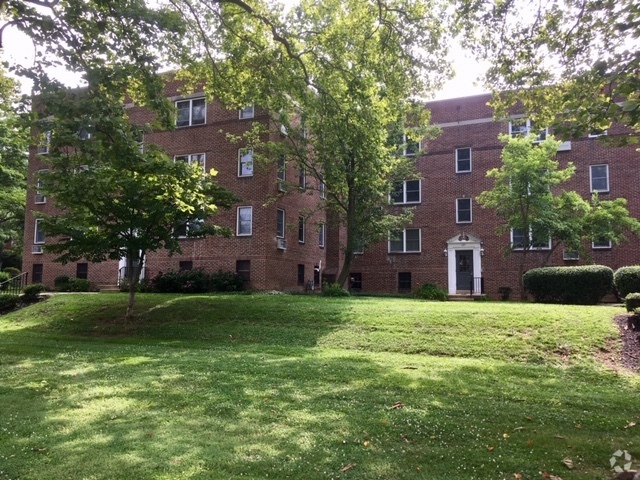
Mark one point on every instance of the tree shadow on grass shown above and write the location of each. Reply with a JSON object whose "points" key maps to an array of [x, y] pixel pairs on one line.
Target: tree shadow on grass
{"points": [[144, 411]]}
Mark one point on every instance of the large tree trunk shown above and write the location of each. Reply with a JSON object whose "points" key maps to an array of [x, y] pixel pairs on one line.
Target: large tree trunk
{"points": [[523, 294], [134, 279]]}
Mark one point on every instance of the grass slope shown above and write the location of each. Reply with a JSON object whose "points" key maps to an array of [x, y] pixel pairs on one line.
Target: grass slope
{"points": [[304, 387]]}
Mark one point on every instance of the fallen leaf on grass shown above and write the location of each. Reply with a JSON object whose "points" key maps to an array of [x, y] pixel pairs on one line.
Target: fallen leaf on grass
{"points": [[631, 424], [578, 426], [367, 443], [517, 429], [505, 435], [517, 475], [406, 439], [554, 477], [348, 467], [545, 475], [559, 436], [490, 448], [530, 443], [396, 405], [569, 463]]}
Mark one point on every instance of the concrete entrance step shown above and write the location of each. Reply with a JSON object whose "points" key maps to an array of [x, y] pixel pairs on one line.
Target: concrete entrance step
{"points": [[108, 288], [459, 297]]}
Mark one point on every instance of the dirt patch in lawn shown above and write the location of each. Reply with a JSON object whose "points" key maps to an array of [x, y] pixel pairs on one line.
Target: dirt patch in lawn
{"points": [[629, 326]]}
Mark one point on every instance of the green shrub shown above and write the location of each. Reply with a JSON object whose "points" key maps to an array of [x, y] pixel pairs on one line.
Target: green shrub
{"points": [[61, 283], [8, 302], [627, 280], [12, 271], [582, 285], [505, 293], [32, 291], [4, 276], [334, 290], [430, 291], [78, 285], [632, 301], [222, 281], [195, 281]]}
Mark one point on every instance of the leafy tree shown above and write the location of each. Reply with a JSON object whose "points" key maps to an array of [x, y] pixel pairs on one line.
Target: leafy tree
{"points": [[336, 77], [14, 143], [526, 199], [115, 198], [573, 64]]}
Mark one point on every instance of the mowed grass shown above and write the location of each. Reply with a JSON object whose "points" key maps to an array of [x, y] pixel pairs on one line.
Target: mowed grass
{"points": [[300, 387]]}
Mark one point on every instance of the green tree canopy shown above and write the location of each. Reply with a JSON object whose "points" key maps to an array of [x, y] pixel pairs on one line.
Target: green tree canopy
{"points": [[14, 144], [116, 197], [573, 64], [527, 198], [337, 78]]}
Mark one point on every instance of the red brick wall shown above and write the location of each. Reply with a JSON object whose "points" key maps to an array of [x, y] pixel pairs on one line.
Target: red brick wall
{"points": [[441, 186], [271, 268]]}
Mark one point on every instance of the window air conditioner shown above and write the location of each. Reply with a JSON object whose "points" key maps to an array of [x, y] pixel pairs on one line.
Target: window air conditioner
{"points": [[570, 255], [282, 244], [36, 249], [282, 186]]}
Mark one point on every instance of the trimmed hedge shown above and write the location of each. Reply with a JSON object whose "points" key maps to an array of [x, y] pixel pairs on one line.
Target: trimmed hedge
{"points": [[33, 291], [430, 291], [195, 281], [4, 276], [78, 285], [632, 301], [334, 290], [627, 280], [12, 271], [582, 285]]}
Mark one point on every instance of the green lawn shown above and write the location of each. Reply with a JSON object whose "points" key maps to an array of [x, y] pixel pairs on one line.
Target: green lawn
{"points": [[303, 387]]}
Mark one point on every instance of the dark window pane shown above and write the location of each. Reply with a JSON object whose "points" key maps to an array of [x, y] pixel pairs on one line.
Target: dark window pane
{"points": [[82, 270], [404, 281]]}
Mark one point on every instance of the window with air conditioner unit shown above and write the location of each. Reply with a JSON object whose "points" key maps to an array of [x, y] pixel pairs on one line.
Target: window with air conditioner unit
{"points": [[570, 255], [281, 244], [39, 197], [246, 112]]}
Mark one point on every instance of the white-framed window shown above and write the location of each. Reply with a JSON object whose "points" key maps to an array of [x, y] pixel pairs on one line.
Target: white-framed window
{"points": [[463, 210], [322, 187], [599, 178], [244, 225], [410, 148], [537, 240], [321, 234], [405, 241], [301, 229], [302, 179], [601, 244], [245, 163], [524, 127], [598, 132], [282, 168], [463, 160], [280, 223], [191, 112], [182, 230], [406, 192], [192, 159], [43, 148], [39, 197], [246, 112], [38, 233], [84, 133]]}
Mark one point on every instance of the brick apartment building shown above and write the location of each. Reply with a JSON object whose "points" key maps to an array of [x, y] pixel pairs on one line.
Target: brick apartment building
{"points": [[452, 241]]}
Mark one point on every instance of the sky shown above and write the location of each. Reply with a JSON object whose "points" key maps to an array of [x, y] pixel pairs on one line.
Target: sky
{"points": [[18, 48]]}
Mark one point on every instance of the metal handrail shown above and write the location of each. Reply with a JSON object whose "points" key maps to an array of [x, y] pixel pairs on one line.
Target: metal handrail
{"points": [[14, 285]]}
